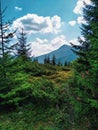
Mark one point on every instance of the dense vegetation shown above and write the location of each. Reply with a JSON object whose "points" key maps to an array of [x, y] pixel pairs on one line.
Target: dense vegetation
{"points": [[47, 96], [85, 81], [36, 96]]}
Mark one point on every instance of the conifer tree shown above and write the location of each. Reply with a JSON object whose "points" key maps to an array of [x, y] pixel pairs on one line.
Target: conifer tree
{"points": [[5, 38], [22, 47], [53, 61], [6, 49], [86, 69], [47, 60]]}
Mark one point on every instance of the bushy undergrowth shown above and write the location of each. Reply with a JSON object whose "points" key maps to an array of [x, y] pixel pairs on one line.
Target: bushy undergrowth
{"points": [[38, 85], [29, 117], [84, 106], [30, 90]]}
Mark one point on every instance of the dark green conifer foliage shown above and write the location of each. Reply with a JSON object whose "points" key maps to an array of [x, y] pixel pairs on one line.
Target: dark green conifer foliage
{"points": [[53, 61], [47, 60], [86, 69], [6, 49], [5, 37], [23, 48]]}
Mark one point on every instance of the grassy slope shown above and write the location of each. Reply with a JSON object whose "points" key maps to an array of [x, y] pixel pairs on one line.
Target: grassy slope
{"points": [[37, 117]]}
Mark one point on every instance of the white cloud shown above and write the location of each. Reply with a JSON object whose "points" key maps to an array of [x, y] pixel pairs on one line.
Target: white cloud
{"points": [[75, 40], [79, 10], [18, 8], [33, 23], [58, 41], [81, 20], [80, 5], [47, 29], [41, 41], [72, 23], [43, 46]]}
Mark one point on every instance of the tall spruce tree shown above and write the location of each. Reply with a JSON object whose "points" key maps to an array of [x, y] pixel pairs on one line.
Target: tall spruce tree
{"points": [[5, 50], [86, 70], [5, 38]]}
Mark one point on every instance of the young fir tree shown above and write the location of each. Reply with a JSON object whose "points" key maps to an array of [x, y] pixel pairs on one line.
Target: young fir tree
{"points": [[22, 47], [86, 70]]}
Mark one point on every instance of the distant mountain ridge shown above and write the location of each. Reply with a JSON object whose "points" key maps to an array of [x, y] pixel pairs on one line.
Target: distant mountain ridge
{"points": [[64, 53]]}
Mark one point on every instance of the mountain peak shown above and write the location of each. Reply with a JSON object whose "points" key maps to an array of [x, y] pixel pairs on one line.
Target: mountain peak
{"points": [[64, 53], [65, 46]]}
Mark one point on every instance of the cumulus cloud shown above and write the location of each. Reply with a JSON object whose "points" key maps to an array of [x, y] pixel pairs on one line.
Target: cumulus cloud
{"points": [[43, 46], [58, 41], [72, 23], [75, 40], [46, 32], [18, 8], [80, 5], [81, 20], [79, 10], [33, 23]]}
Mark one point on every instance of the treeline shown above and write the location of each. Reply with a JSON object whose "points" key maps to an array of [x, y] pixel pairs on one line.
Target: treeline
{"points": [[53, 61]]}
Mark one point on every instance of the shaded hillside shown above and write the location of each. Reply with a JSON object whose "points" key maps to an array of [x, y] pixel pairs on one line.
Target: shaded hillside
{"points": [[64, 53]]}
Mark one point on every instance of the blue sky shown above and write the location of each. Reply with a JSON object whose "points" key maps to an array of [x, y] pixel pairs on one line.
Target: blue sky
{"points": [[49, 24]]}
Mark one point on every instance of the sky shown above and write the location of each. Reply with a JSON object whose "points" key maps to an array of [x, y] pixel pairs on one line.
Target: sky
{"points": [[48, 24]]}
